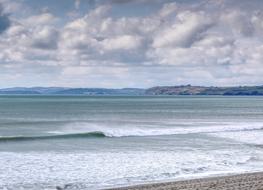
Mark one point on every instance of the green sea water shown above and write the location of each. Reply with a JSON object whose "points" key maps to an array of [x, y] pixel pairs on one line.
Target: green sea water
{"points": [[93, 142]]}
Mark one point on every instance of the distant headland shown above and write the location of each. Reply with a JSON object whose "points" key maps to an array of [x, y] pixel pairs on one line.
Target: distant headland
{"points": [[158, 90]]}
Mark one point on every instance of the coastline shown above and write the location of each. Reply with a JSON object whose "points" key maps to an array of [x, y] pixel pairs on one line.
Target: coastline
{"points": [[246, 181]]}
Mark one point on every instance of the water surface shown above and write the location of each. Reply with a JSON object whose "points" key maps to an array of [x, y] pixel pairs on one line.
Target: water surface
{"points": [[104, 141]]}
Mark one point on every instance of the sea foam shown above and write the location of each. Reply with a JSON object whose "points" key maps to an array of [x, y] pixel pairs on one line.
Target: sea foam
{"points": [[126, 131]]}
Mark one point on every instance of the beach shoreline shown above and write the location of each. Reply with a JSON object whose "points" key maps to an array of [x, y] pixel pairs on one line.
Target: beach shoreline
{"points": [[245, 181]]}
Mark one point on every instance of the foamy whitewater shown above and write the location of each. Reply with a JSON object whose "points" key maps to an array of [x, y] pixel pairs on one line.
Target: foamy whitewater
{"points": [[97, 142]]}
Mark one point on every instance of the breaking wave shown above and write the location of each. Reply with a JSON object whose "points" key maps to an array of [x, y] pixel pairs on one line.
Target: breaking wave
{"points": [[83, 130]]}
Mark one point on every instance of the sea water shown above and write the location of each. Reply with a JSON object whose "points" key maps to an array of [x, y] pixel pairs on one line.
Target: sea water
{"points": [[96, 142]]}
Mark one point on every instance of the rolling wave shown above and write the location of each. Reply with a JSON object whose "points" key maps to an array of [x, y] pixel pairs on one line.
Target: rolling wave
{"points": [[101, 132], [47, 137]]}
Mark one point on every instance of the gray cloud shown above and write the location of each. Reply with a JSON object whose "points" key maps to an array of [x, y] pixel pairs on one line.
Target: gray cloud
{"points": [[139, 1], [4, 20], [212, 43], [47, 38]]}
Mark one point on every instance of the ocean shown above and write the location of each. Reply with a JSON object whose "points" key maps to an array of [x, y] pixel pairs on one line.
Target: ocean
{"points": [[96, 142]]}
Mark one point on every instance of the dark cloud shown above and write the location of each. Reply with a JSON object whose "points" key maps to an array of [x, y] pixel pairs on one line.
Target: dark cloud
{"points": [[4, 20]]}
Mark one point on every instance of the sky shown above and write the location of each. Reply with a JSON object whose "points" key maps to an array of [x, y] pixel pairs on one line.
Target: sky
{"points": [[130, 43]]}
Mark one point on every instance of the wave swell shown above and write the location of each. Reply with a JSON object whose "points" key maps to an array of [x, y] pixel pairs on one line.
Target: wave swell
{"points": [[86, 131], [47, 137]]}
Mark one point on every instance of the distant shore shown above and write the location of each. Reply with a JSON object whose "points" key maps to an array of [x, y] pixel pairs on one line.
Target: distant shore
{"points": [[248, 181], [158, 90]]}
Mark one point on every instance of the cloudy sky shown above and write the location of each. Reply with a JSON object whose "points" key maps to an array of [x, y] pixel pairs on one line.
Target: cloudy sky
{"points": [[130, 43]]}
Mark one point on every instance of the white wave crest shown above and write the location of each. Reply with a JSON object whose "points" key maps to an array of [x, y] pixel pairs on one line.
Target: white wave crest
{"points": [[126, 131]]}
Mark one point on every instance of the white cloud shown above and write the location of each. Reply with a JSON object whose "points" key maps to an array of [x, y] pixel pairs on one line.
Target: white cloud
{"points": [[11, 6], [45, 38], [168, 9], [202, 43], [123, 43], [239, 22], [77, 4], [39, 20], [187, 28]]}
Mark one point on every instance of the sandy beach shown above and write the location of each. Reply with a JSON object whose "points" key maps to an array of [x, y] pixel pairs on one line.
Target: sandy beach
{"points": [[248, 181]]}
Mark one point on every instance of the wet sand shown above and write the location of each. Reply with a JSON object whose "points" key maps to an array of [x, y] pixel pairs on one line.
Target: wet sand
{"points": [[248, 181]]}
